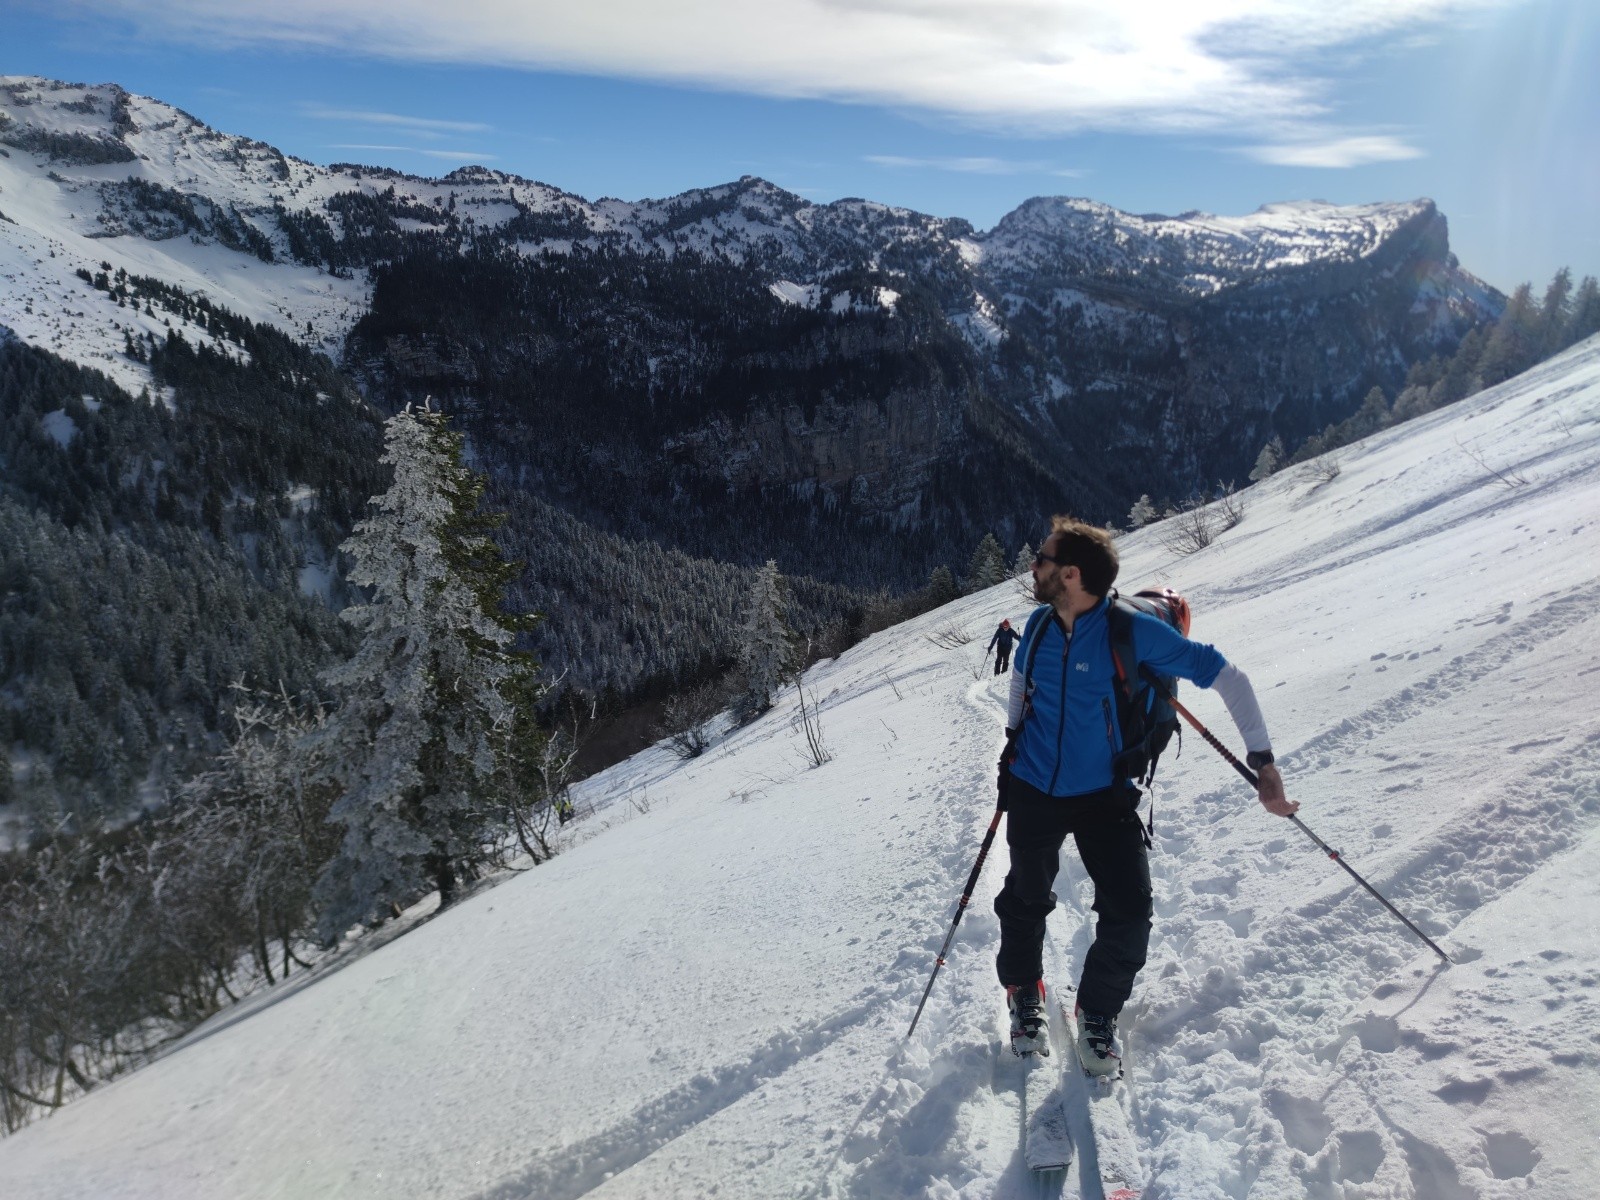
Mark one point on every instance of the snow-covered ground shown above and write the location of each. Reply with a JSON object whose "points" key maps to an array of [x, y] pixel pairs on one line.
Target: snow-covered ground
{"points": [[707, 994]]}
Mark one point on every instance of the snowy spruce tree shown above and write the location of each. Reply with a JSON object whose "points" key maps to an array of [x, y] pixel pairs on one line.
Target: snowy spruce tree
{"points": [[941, 586], [1024, 563], [1269, 460], [987, 566], [1142, 513], [766, 643], [416, 745]]}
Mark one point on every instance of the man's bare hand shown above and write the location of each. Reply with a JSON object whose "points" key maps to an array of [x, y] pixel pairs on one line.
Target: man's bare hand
{"points": [[1269, 790]]}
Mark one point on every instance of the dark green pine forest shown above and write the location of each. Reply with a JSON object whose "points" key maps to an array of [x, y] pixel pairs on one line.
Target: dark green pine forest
{"points": [[610, 384], [176, 545]]}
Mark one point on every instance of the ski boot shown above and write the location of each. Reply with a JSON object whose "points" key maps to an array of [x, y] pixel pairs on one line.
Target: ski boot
{"points": [[1097, 1045], [1026, 1005]]}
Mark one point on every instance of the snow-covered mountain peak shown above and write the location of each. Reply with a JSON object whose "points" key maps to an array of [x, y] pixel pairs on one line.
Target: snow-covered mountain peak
{"points": [[1200, 252], [96, 181]]}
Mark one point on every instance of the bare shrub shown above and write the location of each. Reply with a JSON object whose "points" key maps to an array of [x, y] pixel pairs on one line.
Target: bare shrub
{"points": [[686, 719], [950, 636], [1195, 524], [1325, 470], [815, 752], [537, 790], [1229, 506]]}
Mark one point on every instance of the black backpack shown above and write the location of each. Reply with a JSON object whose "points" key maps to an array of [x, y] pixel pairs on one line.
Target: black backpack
{"points": [[1147, 720]]}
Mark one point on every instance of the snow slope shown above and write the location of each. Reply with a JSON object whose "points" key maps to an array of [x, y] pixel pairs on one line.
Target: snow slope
{"points": [[706, 995]]}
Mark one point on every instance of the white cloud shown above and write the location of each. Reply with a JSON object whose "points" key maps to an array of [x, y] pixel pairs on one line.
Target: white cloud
{"points": [[1030, 66], [363, 117], [973, 166], [469, 156], [1334, 152]]}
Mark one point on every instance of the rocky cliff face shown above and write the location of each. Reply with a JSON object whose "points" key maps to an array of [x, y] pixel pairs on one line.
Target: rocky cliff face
{"points": [[1187, 357]]}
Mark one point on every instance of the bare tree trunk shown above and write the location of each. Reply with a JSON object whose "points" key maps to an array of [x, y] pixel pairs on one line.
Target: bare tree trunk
{"points": [[522, 835], [78, 1077], [444, 877], [262, 955]]}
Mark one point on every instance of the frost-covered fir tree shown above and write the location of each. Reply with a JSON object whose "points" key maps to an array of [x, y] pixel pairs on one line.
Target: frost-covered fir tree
{"points": [[1024, 563], [766, 643], [414, 746], [1269, 460], [987, 566], [1142, 513]]}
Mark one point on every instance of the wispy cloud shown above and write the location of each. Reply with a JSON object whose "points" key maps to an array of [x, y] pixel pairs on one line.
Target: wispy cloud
{"points": [[977, 165], [1232, 67], [1334, 152], [473, 156], [365, 117]]}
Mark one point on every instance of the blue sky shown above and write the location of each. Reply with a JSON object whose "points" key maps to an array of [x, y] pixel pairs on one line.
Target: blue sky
{"points": [[1491, 107]]}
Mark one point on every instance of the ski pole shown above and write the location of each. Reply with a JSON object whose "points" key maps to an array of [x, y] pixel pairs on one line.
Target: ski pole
{"points": [[1299, 824], [966, 896]]}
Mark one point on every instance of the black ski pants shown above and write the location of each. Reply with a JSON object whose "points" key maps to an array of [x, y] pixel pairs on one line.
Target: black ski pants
{"points": [[1002, 660], [1110, 840]]}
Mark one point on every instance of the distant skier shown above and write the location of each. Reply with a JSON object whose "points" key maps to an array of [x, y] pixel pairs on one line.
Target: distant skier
{"points": [[1057, 776], [1002, 641]]}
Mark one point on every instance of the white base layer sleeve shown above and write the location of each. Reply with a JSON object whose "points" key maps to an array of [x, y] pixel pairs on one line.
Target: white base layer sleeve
{"points": [[1233, 685]]}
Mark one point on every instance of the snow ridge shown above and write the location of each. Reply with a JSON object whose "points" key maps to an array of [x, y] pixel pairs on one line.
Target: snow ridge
{"points": [[93, 175]]}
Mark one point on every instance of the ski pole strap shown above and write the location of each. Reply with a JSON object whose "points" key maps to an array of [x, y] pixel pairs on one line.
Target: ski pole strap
{"points": [[1255, 782]]}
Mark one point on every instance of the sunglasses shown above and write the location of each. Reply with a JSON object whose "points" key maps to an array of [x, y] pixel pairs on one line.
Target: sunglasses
{"points": [[1040, 558]]}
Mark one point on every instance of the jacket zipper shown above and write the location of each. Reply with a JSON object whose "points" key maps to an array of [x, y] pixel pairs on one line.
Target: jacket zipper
{"points": [[1061, 719], [1111, 740]]}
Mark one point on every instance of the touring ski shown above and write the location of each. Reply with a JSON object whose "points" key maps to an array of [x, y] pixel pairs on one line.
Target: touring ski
{"points": [[1116, 1143], [1046, 1143], [1047, 1146]]}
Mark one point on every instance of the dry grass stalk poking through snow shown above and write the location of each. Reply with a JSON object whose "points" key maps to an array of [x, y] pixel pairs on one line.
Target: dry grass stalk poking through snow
{"points": [[1513, 479]]}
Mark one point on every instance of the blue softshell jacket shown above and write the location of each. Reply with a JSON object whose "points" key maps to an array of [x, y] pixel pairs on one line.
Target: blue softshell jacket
{"points": [[1069, 731]]}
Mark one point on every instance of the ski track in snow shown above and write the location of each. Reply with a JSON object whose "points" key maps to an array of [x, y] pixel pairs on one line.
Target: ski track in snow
{"points": [[707, 994]]}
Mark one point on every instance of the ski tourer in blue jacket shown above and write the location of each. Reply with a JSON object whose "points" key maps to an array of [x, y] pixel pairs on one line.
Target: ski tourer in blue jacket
{"points": [[1057, 778], [1067, 688]]}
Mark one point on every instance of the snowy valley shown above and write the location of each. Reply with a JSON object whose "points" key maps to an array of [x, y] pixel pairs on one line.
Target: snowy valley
{"points": [[706, 993]]}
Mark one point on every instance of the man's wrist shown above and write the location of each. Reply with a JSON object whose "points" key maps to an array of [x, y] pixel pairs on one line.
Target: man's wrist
{"points": [[1257, 759]]}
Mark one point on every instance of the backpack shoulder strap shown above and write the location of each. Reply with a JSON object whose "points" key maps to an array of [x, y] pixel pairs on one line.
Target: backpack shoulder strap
{"points": [[1030, 637], [1119, 618]]}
